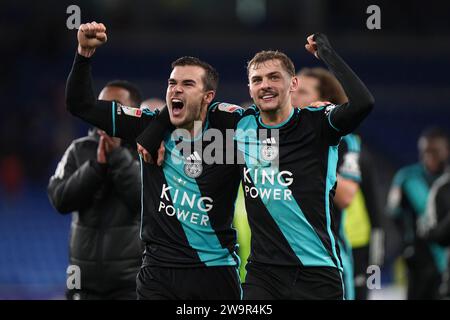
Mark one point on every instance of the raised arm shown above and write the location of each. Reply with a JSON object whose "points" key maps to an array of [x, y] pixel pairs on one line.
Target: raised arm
{"points": [[344, 118], [80, 96], [117, 120]]}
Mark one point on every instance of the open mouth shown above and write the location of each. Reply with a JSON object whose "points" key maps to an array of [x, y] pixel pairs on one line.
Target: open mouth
{"points": [[177, 106]]}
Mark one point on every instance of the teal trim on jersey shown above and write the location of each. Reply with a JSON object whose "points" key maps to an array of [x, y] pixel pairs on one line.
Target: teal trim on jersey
{"points": [[213, 105], [412, 180], [315, 108], [277, 125], [331, 180], [351, 177], [357, 142], [202, 239], [286, 213], [238, 259], [407, 179], [329, 115], [347, 261], [235, 229], [142, 195], [331, 124], [148, 112], [241, 291], [238, 268], [113, 115], [353, 143], [406, 172], [254, 107], [440, 257], [417, 189]]}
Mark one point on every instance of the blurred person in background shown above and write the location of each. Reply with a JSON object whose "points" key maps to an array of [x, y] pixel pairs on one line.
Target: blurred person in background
{"points": [[153, 104], [425, 259], [318, 86], [98, 179], [435, 225], [357, 194], [363, 223]]}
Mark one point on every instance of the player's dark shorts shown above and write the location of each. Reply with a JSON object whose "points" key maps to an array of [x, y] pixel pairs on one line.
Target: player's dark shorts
{"points": [[207, 283], [269, 282]]}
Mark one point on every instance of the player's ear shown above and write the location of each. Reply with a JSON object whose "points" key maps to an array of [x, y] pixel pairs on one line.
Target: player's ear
{"points": [[209, 96], [294, 84]]}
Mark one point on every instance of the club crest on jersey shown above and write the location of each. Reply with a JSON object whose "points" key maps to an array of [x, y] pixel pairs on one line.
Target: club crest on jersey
{"points": [[269, 150], [227, 107], [193, 166]]}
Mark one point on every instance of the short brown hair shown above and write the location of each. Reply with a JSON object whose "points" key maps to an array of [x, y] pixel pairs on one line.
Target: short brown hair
{"points": [[329, 87], [264, 56], [211, 78]]}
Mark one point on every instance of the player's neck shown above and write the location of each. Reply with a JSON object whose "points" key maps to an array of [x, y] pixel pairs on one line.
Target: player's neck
{"points": [[195, 127], [275, 117]]}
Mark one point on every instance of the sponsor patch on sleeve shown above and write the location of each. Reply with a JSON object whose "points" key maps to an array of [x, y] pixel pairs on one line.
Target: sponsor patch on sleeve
{"points": [[227, 107], [129, 111]]}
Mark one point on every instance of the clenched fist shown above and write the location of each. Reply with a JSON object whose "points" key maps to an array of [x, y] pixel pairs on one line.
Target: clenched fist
{"points": [[318, 44], [90, 36]]}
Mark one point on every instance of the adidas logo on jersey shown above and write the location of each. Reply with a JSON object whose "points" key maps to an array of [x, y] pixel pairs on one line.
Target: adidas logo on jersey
{"points": [[269, 141], [193, 166]]}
